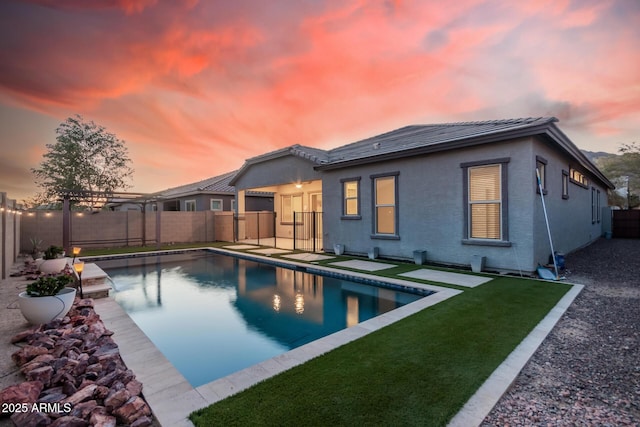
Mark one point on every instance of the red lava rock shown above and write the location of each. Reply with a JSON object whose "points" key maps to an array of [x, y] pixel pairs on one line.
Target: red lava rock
{"points": [[21, 336], [134, 387], [84, 303], [26, 392], [132, 410], [83, 410], [52, 398], [37, 362], [81, 395], [101, 392], [102, 420], [142, 422], [79, 362], [69, 421], [116, 399], [42, 374], [27, 353], [30, 419]]}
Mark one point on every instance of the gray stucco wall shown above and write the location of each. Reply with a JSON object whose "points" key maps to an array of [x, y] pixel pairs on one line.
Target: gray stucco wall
{"points": [[431, 208], [281, 170], [570, 219]]}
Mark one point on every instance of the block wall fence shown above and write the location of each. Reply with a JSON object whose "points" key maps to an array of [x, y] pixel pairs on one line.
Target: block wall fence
{"points": [[10, 223], [106, 229]]}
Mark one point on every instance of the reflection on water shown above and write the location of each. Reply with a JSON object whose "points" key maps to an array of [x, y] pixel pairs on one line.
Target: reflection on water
{"points": [[212, 315]]}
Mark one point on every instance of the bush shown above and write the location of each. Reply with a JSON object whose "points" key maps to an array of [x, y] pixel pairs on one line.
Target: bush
{"points": [[48, 285], [52, 252]]}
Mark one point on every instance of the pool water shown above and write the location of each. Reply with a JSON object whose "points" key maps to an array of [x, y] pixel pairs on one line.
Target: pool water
{"points": [[212, 314]]}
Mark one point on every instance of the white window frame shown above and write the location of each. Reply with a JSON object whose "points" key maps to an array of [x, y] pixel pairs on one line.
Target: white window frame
{"points": [[541, 166], [497, 202], [188, 203], [396, 227], [346, 197], [212, 201], [565, 184], [504, 203]]}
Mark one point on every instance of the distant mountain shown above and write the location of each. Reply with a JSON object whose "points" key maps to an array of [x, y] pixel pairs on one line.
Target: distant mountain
{"points": [[594, 156]]}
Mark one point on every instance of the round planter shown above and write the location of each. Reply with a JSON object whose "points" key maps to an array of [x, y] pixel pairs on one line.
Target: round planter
{"points": [[52, 265], [44, 309]]}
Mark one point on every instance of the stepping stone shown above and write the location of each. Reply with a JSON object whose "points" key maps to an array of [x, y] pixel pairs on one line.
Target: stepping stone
{"points": [[467, 280], [308, 257], [270, 251], [363, 265]]}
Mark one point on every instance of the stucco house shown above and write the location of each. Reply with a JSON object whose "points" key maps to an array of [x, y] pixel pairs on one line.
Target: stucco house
{"points": [[211, 194], [456, 190]]}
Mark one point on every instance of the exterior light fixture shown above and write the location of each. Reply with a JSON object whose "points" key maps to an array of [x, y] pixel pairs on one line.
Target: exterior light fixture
{"points": [[76, 251], [78, 267], [298, 185]]}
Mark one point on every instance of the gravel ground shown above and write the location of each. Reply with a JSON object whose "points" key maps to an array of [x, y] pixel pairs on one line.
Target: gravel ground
{"points": [[587, 371]]}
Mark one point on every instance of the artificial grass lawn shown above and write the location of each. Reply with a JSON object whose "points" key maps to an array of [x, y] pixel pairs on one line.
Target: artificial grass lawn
{"points": [[418, 371]]}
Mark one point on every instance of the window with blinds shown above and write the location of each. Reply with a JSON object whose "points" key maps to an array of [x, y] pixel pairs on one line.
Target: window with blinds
{"points": [[385, 205], [485, 202]]}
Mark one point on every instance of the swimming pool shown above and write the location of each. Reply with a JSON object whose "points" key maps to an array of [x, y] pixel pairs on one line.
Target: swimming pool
{"points": [[212, 314]]}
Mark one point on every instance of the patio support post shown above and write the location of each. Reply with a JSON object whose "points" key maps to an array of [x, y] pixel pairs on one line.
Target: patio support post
{"points": [[158, 228], [143, 209], [258, 220], [294, 230], [314, 232]]}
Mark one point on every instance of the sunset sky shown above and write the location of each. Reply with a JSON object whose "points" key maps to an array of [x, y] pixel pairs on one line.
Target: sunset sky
{"points": [[196, 87]]}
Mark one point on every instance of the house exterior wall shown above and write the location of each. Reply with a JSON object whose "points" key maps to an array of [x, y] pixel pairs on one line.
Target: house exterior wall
{"points": [[570, 219], [431, 207], [281, 170], [203, 201], [279, 176]]}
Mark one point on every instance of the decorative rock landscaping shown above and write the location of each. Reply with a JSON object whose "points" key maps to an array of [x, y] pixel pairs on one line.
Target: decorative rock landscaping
{"points": [[74, 376]]}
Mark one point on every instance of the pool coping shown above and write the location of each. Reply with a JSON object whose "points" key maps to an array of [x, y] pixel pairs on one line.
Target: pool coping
{"points": [[172, 398]]}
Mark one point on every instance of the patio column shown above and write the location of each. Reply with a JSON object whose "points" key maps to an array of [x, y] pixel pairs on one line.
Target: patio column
{"points": [[240, 208]]}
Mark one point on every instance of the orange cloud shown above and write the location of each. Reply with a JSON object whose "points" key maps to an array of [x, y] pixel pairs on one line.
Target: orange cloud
{"points": [[196, 87]]}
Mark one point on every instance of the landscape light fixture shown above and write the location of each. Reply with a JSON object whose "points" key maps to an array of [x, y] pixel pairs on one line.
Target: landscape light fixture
{"points": [[76, 252], [78, 267]]}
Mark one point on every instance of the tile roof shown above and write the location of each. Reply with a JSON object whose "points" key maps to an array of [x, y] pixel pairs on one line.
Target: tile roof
{"points": [[423, 136], [216, 184], [422, 139]]}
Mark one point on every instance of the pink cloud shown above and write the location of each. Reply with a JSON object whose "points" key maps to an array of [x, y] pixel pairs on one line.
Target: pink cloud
{"points": [[196, 88]]}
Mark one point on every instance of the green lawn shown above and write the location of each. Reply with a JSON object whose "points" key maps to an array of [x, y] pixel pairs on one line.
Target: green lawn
{"points": [[418, 371]]}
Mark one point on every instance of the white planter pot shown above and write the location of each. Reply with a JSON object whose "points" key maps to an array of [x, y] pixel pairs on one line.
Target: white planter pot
{"points": [[477, 263], [39, 310], [52, 265]]}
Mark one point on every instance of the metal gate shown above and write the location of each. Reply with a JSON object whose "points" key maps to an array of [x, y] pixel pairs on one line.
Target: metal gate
{"points": [[626, 224], [307, 231]]}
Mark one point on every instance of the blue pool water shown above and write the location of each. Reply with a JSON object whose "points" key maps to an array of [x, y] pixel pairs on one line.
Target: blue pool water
{"points": [[212, 315]]}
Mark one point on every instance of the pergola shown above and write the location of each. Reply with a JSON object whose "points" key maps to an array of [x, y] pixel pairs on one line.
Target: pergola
{"points": [[98, 199]]}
